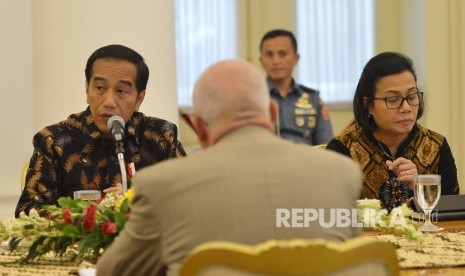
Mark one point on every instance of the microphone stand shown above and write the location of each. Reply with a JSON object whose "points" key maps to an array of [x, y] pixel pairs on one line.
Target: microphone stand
{"points": [[120, 153]]}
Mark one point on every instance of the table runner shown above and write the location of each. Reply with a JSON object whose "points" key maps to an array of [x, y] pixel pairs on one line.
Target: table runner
{"points": [[46, 265], [439, 249]]}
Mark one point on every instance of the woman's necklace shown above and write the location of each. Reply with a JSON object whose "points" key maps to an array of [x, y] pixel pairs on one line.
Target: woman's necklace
{"points": [[384, 152]]}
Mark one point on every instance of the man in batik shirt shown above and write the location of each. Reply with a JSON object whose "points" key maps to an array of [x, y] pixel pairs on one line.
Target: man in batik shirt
{"points": [[79, 153]]}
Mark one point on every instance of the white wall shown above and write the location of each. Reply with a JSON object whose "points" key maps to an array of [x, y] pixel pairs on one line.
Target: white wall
{"points": [[15, 92], [445, 71], [67, 32], [412, 36]]}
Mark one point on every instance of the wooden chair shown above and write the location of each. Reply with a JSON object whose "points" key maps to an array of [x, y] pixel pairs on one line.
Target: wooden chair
{"points": [[358, 256], [321, 146]]}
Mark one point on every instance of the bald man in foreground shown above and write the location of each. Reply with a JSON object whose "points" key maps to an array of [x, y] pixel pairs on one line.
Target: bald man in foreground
{"points": [[246, 185]]}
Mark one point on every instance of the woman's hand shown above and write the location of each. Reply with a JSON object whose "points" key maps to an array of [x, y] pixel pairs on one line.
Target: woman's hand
{"points": [[404, 169], [118, 189]]}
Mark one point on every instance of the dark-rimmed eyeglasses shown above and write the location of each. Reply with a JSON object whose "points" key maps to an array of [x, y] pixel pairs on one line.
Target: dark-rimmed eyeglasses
{"points": [[394, 102]]}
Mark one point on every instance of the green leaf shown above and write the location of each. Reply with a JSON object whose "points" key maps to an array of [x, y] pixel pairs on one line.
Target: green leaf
{"points": [[28, 226], [14, 242], [120, 220], [83, 204], [124, 206], [70, 231], [66, 202]]}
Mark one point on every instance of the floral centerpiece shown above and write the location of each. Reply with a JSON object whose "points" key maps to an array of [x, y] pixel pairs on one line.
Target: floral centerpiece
{"points": [[397, 221], [74, 226]]}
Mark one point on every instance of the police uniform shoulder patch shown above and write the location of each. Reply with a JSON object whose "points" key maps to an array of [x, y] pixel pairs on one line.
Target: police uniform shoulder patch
{"points": [[324, 111], [308, 89]]}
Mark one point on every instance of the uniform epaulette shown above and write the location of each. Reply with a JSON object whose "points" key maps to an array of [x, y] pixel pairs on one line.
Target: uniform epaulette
{"points": [[308, 89]]}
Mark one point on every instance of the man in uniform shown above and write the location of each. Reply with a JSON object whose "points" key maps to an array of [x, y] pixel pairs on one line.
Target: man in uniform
{"points": [[302, 117]]}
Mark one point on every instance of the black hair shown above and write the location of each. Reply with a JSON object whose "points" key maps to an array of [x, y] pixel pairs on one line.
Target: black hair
{"points": [[125, 53], [381, 65]]}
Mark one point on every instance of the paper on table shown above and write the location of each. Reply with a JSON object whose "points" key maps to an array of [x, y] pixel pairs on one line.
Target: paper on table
{"points": [[88, 272]]}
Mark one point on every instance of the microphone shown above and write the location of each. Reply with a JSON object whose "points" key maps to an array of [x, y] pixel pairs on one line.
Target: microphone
{"points": [[116, 126]]}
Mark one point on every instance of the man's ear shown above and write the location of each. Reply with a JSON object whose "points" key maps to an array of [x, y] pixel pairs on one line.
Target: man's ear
{"points": [[140, 99], [200, 128], [261, 60]]}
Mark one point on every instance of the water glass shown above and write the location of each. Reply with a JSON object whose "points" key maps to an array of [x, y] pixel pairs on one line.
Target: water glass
{"points": [[427, 193], [92, 195]]}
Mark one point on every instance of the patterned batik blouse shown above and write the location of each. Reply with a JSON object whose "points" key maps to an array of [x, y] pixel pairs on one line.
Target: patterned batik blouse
{"points": [[428, 150], [74, 155]]}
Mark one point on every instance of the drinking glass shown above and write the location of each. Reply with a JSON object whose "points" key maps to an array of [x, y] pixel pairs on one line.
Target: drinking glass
{"points": [[91, 195], [427, 193]]}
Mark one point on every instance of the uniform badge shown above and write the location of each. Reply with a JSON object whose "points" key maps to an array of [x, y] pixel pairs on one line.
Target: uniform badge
{"points": [[299, 121], [311, 121], [303, 102]]}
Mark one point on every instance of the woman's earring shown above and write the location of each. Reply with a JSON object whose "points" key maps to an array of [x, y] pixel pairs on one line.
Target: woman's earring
{"points": [[369, 115]]}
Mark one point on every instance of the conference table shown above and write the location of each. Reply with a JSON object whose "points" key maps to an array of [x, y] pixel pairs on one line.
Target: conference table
{"points": [[47, 265], [442, 253]]}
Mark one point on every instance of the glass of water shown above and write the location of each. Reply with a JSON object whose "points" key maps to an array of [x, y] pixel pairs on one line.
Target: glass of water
{"points": [[91, 195], [427, 193]]}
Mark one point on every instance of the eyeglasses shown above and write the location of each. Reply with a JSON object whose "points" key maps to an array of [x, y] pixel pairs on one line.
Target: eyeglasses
{"points": [[395, 102]]}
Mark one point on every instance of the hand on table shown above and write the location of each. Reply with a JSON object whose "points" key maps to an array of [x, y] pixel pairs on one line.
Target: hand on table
{"points": [[118, 189]]}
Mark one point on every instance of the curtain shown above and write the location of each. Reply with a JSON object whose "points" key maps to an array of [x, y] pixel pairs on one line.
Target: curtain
{"points": [[205, 33], [336, 39]]}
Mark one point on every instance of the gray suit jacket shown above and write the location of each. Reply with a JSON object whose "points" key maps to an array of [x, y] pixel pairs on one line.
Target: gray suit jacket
{"points": [[230, 191]]}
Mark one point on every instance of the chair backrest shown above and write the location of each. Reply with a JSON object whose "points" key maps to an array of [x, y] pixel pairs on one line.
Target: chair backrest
{"points": [[358, 256], [321, 146], [23, 175]]}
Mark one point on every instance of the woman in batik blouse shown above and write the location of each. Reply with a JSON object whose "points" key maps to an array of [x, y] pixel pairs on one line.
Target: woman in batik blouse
{"points": [[386, 140]]}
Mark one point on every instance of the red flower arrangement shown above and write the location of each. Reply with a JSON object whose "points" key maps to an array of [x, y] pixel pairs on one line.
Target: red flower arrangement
{"points": [[108, 228], [84, 227], [89, 220], [67, 216]]}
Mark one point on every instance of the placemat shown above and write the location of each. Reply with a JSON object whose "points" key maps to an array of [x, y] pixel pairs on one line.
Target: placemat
{"points": [[46, 265], [439, 249]]}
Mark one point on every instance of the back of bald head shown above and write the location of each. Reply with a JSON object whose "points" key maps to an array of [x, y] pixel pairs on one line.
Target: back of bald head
{"points": [[230, 90]]}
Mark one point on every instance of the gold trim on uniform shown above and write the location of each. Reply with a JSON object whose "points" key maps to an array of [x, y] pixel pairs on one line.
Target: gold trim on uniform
{"points": [[304, 110], [311, 121], [303, 102], [299, 121]]}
